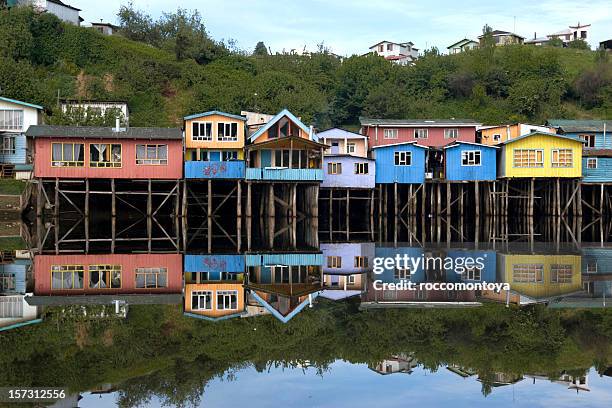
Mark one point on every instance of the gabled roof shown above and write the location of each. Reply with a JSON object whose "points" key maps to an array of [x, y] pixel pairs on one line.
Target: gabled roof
{"points": [[276, 313], [458, 142], [418, 122], [339, 133], [575, 139], [214, 112], [61, 3], [276, 118], [569, 125], [502, 32], [464, 41], [30, 105], [93, 132], [414, 142]]}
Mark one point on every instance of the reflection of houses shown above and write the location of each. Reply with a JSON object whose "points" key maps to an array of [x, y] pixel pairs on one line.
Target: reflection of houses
{"points": [[400, 363], [14, 309], [284, 284], [214, 286], [461, 371], [16, 154], [345, 268], [500, 379], [572, 382]]}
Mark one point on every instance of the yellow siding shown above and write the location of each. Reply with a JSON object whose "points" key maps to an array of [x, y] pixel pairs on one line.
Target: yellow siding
{"points": [[214, 287], [214, 144], [547, 287], [546, 143]]}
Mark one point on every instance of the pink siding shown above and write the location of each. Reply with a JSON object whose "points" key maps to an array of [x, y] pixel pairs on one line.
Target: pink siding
{"points": [[129, 170], [406, 134], [128, 262]]}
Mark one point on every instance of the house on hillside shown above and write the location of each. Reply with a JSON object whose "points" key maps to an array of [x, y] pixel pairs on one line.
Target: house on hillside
{"points": [[492, 135], [463, 45], [14, 309], [399, 53], [572, 33], [501, 38], [104, 28], [606, 45], [214, 146], [62, 10], [81, 108]]}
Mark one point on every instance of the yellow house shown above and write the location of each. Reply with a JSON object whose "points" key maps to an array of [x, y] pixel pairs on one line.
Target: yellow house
{"points": [[493, 135], [215, 300], [540, 277], [214, 136], [541, 154]]}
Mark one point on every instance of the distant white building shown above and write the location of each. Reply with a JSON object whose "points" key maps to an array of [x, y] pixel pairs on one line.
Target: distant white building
{"points": [[400, 53], [577, 32], [104, 28], [62, 10], [99, 107], [460, 46]]}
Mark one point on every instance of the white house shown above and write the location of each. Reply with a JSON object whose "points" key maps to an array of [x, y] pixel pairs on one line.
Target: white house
{"points": [[460, 46], [62, 10], [104, 28], [15, 154], [577, 32], [99, 107], [400, 53]]}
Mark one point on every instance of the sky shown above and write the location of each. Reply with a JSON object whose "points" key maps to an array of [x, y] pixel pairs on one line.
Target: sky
{"points": [[349, 27]]}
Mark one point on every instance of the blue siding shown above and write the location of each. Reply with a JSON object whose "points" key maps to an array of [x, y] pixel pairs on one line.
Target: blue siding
{"points": [[602, 173], [284, 259], [599, 138], [214, 263], [489, 259], [388, 172], [348, 178], [215, 169], [266, 158], [388, 276], [17, 270], [455, 171], [19, 157], [284, 174]]}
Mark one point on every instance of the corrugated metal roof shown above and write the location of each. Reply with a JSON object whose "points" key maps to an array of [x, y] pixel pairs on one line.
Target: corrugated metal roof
{"points": [[31, 105], [338, 133], [570, 125], [214, 112], [418, 122], [91, 132]]}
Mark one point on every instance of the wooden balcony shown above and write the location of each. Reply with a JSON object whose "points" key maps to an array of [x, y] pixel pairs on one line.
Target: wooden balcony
{"points": [[284, 174]]}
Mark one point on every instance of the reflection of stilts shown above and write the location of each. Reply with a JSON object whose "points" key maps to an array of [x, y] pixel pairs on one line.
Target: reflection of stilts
{"points": [[350, 212]]}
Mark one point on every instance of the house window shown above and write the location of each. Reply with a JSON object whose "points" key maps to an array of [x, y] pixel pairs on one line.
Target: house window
{"points": [[470, 158], [361, 168], [201, 300], [8, 145], [591, 267], [334, 168], [227, 132], [350, 148], [381, 48], [351, 279], [227, 300], [104, 276], [390, 133], [227, 156], [361, 262], [11, 119], [561, 273], [67, 276], [281, 158], [562, 158], [496, 137], [592, 163], [67, 155], [201, 131], [403, 158], [473, 273], [421, 133], [334, 262], [589, 140], [8, 282], [389, 47], [528, 157], [528, 273], [401, 274], [151, 278], [104, 155], [152, 154], [451, 133]]}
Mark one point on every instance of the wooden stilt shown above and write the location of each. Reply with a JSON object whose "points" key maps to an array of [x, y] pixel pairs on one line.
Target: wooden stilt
{"points": [[477, 199], [86, 216], [347, 220]]}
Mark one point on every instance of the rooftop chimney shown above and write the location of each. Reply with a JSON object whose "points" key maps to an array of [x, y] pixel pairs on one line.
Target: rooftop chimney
{"points": [[117, 125]]}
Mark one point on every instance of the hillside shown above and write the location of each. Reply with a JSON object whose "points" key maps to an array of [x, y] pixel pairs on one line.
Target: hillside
{"points": [[41, 59]]}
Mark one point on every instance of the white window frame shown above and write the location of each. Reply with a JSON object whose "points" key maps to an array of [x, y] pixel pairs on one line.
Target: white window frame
{"points": [[226, 126], [592, 163], [390, 133], [11, 119], [528, 273], [421, 133], [530, 165], [9, 144], [350, 148], [203, 124], [202, 294], [473, 273], [451, 133], [496, 137], [350, 279], [558, 164], [565, 270], [402, 158], [402, 274], [227, 294], [471, 161]]}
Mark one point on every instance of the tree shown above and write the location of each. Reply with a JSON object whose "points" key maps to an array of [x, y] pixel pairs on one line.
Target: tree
{"points": [[260, 49], [487, 37], [555, 42], [578, 44]]}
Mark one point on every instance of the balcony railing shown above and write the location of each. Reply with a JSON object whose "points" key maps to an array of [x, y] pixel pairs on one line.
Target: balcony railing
{"points": [[284, 174], [233, 169]]}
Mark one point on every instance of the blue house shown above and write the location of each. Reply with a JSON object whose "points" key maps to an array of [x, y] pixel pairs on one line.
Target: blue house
{"points": [[14, 309], [597, 165], [15, 153], [595, 133], [400, 163], [344, 170], [466, 161]]}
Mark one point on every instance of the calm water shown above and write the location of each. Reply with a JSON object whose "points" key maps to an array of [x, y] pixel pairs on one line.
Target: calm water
{"points": [[296, 317]]}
